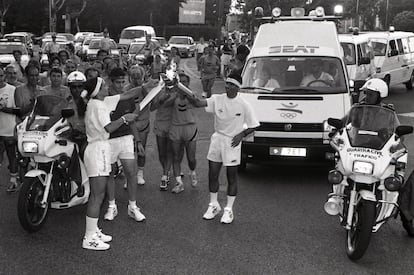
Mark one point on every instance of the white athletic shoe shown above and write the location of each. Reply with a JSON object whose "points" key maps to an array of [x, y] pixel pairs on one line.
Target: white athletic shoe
{"points": [[212, 211], [103, 237], [111, 213], [227, 216], [94, 243], [135, 213], [194, 179], [140, 176]]}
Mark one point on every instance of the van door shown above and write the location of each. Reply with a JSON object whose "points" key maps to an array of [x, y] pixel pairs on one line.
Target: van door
{"points": [[406, 72], [393, 63]]}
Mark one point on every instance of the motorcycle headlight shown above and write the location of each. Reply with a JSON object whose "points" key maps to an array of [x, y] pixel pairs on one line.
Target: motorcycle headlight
{"points": [[363, 167], [30, 147]]}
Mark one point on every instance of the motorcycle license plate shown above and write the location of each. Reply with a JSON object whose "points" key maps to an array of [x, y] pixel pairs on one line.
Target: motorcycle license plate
{"points": [[287, 151]]}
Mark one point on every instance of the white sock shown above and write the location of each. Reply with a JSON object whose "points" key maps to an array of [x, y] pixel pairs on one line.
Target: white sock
{"points": [[230, 201], [213, 198], [141, 169], [91, 226], [132, 204], [112, 203], [164, 177], [192, 172], [178, 179]]}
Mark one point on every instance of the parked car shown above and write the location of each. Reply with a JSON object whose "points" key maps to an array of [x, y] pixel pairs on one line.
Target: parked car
{"points": [[162, 41], [136, 51], [96, 44], [24, 37], [185, 45], [6, 52]]}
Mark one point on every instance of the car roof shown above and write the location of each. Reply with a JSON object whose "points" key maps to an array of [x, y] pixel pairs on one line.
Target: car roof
{"points": [[388, 34], [352, 38], [139, 28], [180, 36]]}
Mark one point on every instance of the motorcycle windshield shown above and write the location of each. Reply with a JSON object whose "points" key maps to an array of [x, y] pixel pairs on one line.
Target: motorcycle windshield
{"points": [[46, 112], [370, 126]]}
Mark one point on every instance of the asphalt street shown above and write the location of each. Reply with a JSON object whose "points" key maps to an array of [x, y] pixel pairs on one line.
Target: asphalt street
{"points": [[279, 228]]}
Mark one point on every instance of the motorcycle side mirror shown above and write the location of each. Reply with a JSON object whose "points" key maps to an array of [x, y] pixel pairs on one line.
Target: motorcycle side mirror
{"points": [[16, 111], [335, 122], [403, 130], [66, 113]]}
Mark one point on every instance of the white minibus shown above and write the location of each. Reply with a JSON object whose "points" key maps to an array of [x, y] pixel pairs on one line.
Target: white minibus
{"points": [[130, 33]]}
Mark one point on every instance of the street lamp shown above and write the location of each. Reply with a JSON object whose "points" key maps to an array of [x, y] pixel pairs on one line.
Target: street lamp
{"points": [[386, 12]]}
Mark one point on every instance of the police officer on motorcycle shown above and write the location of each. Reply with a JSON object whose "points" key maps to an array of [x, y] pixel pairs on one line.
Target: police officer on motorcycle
{"points": [[374, 91]]}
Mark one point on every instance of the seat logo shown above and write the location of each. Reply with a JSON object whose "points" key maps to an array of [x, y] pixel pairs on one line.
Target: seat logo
{"points": [[293, 49]]}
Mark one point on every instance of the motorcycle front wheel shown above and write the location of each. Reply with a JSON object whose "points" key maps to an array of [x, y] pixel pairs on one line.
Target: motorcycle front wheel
{"points": [[358, 237], [32, 215]]}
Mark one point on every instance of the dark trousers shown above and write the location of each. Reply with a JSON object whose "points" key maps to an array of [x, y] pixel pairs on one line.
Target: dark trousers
{"points": [[10, 144]]}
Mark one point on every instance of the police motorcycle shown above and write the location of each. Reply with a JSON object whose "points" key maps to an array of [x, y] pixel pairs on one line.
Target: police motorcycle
{"points": [[58, 179], [370, 161]]}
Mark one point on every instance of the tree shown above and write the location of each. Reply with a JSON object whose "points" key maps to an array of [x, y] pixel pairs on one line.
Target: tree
{"points": [[404, 21], [4, 8]]}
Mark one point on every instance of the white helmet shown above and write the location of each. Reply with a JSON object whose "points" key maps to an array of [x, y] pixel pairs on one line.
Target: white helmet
{"points": [[377, 85], [76, 77]]}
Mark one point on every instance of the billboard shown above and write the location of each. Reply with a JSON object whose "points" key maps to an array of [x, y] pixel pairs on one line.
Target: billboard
{"points": [[192, 12]]}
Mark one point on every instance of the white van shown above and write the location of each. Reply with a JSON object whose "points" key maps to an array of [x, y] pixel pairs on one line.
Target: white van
{"points": [[358, 56], [394, 57], [130, 33], [292, 104]]}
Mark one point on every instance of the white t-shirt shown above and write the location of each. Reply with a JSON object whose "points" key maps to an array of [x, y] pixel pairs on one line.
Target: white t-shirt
{"points": [[98, 115], [310, 77], [7, 121], [231, 114], [200, 47]]}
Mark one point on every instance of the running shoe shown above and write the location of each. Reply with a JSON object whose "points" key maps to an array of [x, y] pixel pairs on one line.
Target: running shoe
{"points": [[94, 243], [140, 176], [111, 213], [103, 237], [178, 188], [164, 184], [13, 186], [194, 180], [227, 216], [135, 213], [212, 211]]}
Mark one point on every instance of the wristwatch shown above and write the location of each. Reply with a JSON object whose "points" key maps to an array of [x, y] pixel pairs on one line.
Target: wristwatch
{"points": [[124, 120]]}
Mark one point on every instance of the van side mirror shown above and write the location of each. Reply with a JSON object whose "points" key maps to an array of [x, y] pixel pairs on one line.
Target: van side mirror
{"points": [[66, 113], [335, 122], [364, 61], [403, 130]]}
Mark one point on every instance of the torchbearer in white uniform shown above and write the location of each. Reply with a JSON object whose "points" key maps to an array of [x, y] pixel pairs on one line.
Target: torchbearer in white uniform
{"points": [[233, 119], [98, 153]]}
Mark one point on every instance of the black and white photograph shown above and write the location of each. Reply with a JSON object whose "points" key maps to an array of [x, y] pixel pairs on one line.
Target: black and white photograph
{"points": [[206, 137]]}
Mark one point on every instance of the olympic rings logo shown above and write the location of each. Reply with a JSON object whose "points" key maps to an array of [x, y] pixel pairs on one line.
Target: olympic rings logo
{"points": [[288, 115]]}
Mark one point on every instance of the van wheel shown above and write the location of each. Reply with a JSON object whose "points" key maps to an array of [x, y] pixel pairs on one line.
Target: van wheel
{"points": [[409, 83], [387, 80]]}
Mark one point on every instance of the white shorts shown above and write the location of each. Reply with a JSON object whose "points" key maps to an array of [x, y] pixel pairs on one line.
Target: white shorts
{"points": [[122, 148], [220, 150], [98, 159]]}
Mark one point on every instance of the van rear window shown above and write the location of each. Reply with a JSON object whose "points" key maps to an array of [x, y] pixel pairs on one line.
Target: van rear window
{"points": [[131, 34], [379, 46], [299, 75]]}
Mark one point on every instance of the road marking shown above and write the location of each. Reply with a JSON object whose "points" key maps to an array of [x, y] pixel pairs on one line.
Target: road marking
{"points": [[407, 114]]}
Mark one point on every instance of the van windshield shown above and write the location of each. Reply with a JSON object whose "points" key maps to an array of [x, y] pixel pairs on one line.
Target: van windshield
{"points": [[349, 53], [131, 34], [379, 46], [299, 75]]}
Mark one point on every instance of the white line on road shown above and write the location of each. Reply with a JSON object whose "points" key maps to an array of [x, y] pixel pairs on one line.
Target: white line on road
{"points": [[407, 114]]}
